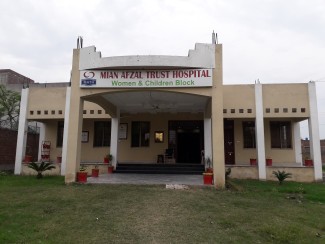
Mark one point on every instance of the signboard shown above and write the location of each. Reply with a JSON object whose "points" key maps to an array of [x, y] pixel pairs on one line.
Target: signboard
{"points": [[145, 79]]}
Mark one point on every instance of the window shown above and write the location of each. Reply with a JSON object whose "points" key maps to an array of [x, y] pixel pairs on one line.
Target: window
{"points": [[102, 133], [59, 136], [140, 134], [280, 134], [249, 134]]}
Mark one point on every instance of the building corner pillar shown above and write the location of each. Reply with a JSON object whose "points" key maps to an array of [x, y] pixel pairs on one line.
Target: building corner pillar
{"points": [[22, 131], [313, 125], [73, 123], [259, 131], [65, 131], [218, 153]]}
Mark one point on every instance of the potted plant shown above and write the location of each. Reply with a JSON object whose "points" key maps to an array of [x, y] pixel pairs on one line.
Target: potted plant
{"points": [[82, 174], [208, 165], [108, 158], [268, 161], [95, 171], [208, 174], [308, 161], [207, 178], [253, 161]]}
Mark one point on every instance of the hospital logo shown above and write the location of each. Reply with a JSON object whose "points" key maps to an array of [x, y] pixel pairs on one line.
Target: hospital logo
{"points": [[89, 74]]}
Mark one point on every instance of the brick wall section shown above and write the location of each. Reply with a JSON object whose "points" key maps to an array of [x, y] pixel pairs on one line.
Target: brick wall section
{"points": [[12, 77], [8, 142]]}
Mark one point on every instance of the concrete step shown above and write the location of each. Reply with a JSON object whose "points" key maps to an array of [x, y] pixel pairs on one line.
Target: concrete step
{"points": [[190, 169]]}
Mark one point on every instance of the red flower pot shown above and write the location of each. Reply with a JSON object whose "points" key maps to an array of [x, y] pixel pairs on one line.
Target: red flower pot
{"points": [[269, 162], [106, 160], [253, 161], [110, 169], [82, 177], [309, 162], [94, 172], [28, 159], [208, 178]]}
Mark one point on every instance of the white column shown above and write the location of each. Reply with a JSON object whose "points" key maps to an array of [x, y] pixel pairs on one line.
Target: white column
{"points": [[115, 123], [65, 131], [297, 138], [259, 131], [314, 132], [22, 131], [41, 138], [207, 139]]}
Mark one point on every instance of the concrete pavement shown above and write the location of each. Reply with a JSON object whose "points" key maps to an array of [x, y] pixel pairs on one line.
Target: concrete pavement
{"points": [[150, 179]]}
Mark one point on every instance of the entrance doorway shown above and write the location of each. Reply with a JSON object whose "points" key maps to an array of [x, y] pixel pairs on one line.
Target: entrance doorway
{"points": [[188, 147], [187, 140], [229, 141]]}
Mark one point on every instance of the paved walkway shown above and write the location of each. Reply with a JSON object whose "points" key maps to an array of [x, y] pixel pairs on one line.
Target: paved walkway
{"points": [[150, 179]]}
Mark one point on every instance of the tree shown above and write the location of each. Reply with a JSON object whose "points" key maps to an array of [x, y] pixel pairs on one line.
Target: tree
{"points": [[9, 108]]}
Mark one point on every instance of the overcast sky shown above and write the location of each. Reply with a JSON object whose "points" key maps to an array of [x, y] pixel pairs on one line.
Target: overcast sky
{"points": [[275, 41]]}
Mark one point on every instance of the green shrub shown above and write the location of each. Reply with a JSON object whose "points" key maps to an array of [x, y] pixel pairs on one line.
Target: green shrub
{"points": [[281, 175], [40, 168]]}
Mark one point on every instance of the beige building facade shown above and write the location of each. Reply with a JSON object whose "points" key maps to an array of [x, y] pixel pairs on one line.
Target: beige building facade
{"points": [[136, 107]]}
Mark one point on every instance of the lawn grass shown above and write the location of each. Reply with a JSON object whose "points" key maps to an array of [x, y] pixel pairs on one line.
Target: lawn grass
{"points": [[47, 211]]}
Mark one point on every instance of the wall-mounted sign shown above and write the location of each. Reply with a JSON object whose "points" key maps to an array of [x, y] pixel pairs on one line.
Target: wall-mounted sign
{"points": [[123, 131], [145, 79]]}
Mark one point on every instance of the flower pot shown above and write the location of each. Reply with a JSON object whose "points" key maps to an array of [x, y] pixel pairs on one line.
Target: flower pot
{"points": [[58, 159], [94, 172], [110, 169], [269, 162], [309, 162], [208, 178], [106, 160], [253, 161], [82, 177], [28, 159]]}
